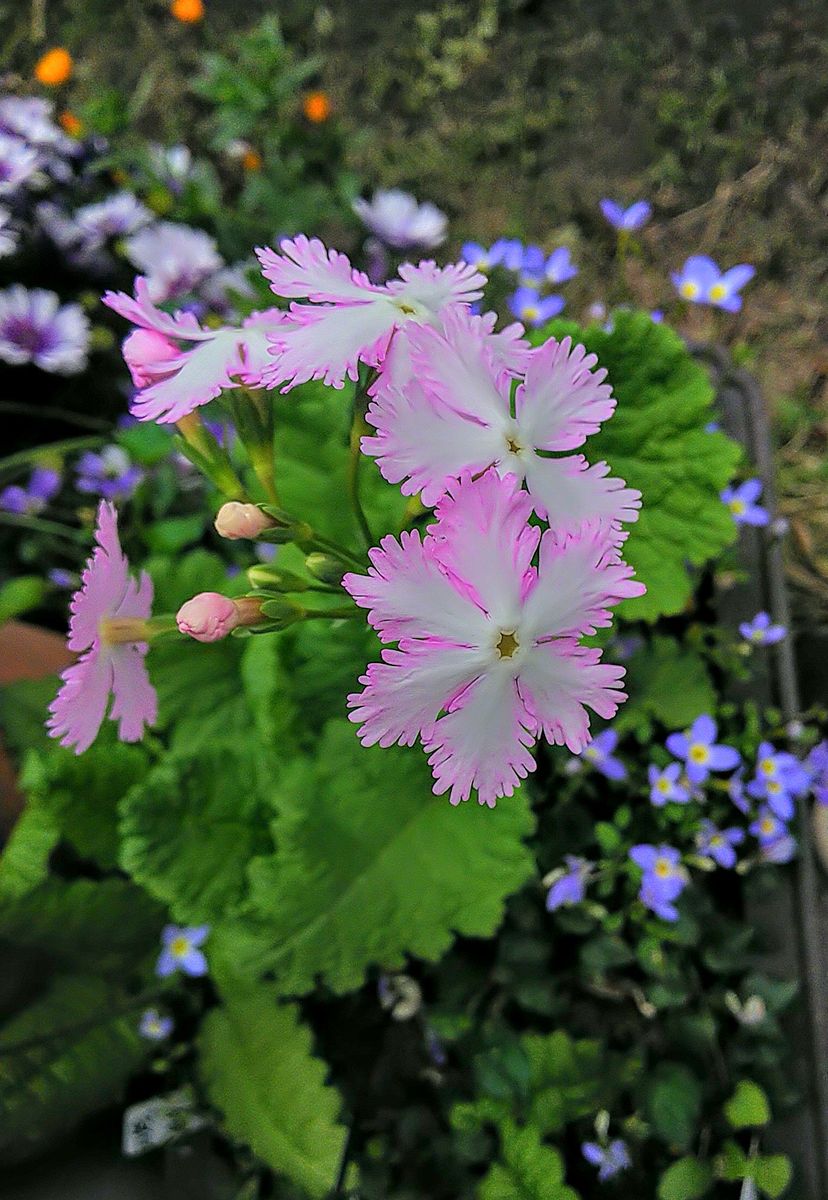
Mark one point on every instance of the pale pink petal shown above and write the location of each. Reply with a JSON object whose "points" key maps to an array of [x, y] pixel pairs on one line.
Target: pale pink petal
{"points": [[327, 342], [104, 582], [435, 286], [404, 694], [422, 443], [142, 312], [579, 579], [568, 492], [483, 742], [306, 269], [483, 540], [558, 679], [78, 710], [135, 703], [455, 367], [564, 398], [408, 593], [137, 598]]}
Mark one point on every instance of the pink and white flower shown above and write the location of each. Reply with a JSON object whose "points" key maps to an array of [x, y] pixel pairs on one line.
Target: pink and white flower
{"points": [[185, 364], [174, 258], [454, 413], [109, 614], [488, 656], [347, 319]]}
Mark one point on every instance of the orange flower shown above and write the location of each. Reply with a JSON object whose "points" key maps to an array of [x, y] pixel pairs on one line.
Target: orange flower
{"points": [[188, 11], [70, 123], [317, 107], [54, 67], [251, 160]]}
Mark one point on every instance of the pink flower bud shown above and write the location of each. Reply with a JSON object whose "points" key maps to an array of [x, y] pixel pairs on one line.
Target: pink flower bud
{"points": [[144, 350], [235, 520], [208, 617]]}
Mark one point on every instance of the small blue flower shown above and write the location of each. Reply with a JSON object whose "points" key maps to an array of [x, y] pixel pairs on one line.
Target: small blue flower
{"points": [[816, 764], [657, 316], [153, 1026], [767, 827], [664, 785], [532, 308], [508, 253], [610, 1160], [761, 631], [718, 844], [741, 501], [181, 950], [61, 578], [663, 880], [559, 266], [779, 778], [109, 474], [598, 753], [434, 1046], [627, 220], [532, 267], [570, 887], [702, 282], [479, 257], [782, 850], [700, 753], [43, 485], [712, 427], [736, 791]]}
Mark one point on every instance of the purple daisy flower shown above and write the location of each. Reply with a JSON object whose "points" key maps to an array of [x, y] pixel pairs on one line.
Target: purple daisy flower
{"points": [[532, 308], [665, 785], [30, 118], [741, 501], [153, 1026], [702, 282], [34, 328], [174, 258], [569, 887], [761, 631], [610, 1160], [399, 221], [719, 844], [181, 950], [18, 162], [559, 266], [663, 879], [43, 485], [109, 474], [598, 753], [697, 748], [117, 216], [627, 220]]}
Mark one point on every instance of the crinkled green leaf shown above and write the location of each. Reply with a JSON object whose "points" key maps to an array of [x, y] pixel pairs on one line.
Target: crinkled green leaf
{"points": [[527, 1170], [657, 442], [371, 866], [69, 1054], [258, 1069], [23, 713], [667, 682], [24, 861], [687, 1179], [190, 828]]}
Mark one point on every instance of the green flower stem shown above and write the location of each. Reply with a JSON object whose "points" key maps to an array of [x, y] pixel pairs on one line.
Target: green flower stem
{"points": [[39, 525], [24, 458]]}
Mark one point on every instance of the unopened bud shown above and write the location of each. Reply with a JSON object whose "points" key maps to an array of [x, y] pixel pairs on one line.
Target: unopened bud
{"points": [[209, 616], [235, 520], [325, 568], [264, 575], [143, 350]]}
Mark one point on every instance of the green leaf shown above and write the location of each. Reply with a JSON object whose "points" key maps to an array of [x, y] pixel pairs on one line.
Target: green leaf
{"points": [[772, 1173], [172, 534], [672, 1103], [189, 830], [20, 595], [78, 1049], [23, 713], [258, 1069], [528, 1170], [748, 1107], [686, 1179], [24, 862], [657, 442], [668, 682], [371, 866]]}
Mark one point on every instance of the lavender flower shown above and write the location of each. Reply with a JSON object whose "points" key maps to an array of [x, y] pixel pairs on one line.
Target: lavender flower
{"points": [[30, 118], [8, 234], [532, 308], [175, 258], [34, 328], [741, 501], [570, 886], [172, 165], [816, 764], [109, 474], [61, 578], [18, 162], [779, 778], [153, 1026], [665, 785], [479, 257], [117, 216], [508, 252], [761, 632], [44, 483], [702, 282], [533, 267], [663, 880], [767, 828], [559, 266], [599, 755], [736, 791], [610, 1160], [719, 844], [779, 851], [399, 221], [700, 753], [181, 950], [627, 220]]}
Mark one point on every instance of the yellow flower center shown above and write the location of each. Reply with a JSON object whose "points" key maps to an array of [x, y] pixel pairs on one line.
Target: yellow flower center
{"points": [[737, 507], [757, 635], [507, 644], [767, 825], [767, 766], [717, 840], [179, 947], [718, 291], [699, 753], [530, 312], [663, 785], [774, 787], [689, 289], [663, 868]]}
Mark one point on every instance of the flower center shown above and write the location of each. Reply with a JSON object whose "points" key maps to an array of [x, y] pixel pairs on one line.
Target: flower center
{"points": [[530, 312], [507, 644], [663, 786], [737, 507], [768, 825], [663, 868], [718, 291], [767, 766], [699, 753], [774, 787], [179, 946], [689, 289]]}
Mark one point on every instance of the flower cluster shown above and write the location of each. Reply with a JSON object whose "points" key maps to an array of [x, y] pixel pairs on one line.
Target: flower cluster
{"points": [[535, 270]]}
